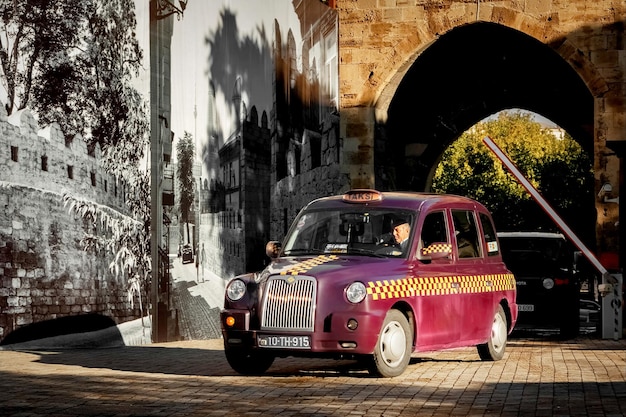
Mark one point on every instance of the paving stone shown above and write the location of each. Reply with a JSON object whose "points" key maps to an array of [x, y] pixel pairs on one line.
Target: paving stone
{"points": [[537, 377]]}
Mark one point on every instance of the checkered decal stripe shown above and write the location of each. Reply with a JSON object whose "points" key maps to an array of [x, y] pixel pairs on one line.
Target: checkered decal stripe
{"points": [[438, 247], [468, 284], [303, 267]]}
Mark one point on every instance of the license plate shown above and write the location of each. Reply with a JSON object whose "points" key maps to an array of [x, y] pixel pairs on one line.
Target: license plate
{"points": [[525, 307], [284, 342]]}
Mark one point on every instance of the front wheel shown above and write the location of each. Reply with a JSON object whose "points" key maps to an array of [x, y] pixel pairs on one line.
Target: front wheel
{"points": [[394, 346], [248, 362], [493, 350]]}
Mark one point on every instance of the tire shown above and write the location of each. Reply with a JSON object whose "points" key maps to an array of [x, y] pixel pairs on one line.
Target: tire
{"points": [[494, 349], [393, 348], [248, 362]]}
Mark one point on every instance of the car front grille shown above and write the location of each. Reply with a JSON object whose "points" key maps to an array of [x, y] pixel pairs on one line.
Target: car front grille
{"points": [[289, 303]]}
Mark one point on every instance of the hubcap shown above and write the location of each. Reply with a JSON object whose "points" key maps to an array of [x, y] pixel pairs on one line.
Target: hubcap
{"points": [[498, 333], [393, 344]]}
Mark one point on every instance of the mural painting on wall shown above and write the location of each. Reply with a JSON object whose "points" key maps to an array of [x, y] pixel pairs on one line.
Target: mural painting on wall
{"points": [[255, 85], [72, 224], [252, 88]]}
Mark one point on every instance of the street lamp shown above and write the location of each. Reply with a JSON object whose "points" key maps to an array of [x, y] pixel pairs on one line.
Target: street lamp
{"points": [[165, 8]]}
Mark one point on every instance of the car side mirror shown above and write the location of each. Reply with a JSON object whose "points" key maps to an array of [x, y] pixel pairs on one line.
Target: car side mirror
{"points": [[437, 250], [272, 249]]}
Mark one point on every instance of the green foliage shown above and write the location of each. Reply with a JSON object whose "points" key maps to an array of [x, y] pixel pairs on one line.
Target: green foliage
{"points": [[558, 168]]}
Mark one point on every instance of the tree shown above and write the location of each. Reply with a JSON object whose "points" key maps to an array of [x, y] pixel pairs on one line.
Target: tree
{"points": [[185, 156], [73, 62], [558, 168], [33, 32]]}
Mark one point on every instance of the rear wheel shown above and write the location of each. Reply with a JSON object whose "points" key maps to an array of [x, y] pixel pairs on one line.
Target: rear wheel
{"points": [[493, 350], [248, 362], [394, 346]]}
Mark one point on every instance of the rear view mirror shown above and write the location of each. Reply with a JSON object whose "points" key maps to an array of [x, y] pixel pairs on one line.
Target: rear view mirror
{"points": [[272, 249], [437, 250]]}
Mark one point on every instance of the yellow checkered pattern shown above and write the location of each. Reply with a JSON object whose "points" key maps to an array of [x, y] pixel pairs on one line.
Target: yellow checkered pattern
{"points": [[437, 247], [303, 267], [425, 286]]}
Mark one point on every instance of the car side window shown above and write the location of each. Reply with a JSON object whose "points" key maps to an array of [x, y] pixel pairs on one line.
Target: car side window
{"points": [[490, 235], [466, 233], [434, 230]]}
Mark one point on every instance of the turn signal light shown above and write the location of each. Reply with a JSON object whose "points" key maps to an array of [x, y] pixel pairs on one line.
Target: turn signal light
{"points": [[230, 321]]}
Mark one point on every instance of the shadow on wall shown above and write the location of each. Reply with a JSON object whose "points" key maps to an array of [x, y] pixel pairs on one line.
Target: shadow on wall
{"points": [[83, 323]]}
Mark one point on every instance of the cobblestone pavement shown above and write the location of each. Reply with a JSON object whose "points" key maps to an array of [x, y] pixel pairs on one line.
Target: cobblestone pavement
{"points": [[537, 377], [198, 297]]}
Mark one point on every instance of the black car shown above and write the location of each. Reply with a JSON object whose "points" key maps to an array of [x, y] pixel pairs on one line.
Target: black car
{"points": [[187, 254], [548, 285]]}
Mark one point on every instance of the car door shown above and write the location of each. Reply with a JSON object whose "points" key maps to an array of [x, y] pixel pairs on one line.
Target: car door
{"points": [[437, 307], [474, 286]]}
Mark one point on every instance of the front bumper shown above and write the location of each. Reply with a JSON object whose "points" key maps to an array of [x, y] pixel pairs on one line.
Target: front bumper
{"points": [[333, 337]]}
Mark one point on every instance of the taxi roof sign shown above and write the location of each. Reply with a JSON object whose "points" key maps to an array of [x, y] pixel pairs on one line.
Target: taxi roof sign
{"points": [[362, 196]]}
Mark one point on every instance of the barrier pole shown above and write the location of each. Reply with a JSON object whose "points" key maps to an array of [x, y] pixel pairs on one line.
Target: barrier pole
{"points": [[609, 282]]}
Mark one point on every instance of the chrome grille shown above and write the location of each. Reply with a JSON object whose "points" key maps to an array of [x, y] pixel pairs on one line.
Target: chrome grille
{"points": [[289, 303]]}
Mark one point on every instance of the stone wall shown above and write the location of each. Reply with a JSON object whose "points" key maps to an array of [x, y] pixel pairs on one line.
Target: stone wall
{"points": [[44, 271], [255, 191], [235, 237], [379, 40], [290, 194]]}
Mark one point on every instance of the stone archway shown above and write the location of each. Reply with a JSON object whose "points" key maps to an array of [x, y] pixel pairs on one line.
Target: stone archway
{"points": [[476, 70], [469, 73]]}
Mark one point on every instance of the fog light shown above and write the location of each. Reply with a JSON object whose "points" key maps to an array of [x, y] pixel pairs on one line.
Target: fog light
{"points": [[348, 345], [352, 324], [230, 321], [548, 284]]}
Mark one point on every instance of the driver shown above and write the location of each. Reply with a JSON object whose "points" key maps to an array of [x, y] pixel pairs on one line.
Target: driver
{"points": [[401, 230]]}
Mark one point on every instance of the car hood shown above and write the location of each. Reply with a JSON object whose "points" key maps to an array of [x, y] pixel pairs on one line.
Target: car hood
{"points": [[340, 267]]}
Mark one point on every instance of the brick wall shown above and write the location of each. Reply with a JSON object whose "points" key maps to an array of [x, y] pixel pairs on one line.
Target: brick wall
{"points": [[44, 271]]}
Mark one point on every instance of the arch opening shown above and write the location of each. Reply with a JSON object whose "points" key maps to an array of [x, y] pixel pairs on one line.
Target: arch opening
{"points": [[468, 74]]}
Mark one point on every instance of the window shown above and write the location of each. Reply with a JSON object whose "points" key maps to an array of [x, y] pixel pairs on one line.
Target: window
{"points": [[14, 150], [44, 163], [490, 235], [70, 172], [93, 179], [331, 76], [466, 233], [434, 230]]}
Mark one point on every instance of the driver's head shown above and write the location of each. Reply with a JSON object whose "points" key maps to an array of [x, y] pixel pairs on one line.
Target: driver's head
{"points": [[401, 230]]}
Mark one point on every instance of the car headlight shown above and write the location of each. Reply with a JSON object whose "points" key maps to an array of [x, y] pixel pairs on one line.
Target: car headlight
{"points": [[236, 290], [548, 283], [356, 292]]}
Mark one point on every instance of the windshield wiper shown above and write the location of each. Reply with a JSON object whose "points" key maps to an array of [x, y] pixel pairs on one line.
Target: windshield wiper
{"points": [[302, 251], [367, 252]]}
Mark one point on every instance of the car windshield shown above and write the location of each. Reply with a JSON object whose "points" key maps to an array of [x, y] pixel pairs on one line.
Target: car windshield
{"points": [[353, 230]]}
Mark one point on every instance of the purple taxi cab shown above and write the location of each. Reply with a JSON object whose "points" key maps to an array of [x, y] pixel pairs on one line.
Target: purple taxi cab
{"points": [[374, 276]]}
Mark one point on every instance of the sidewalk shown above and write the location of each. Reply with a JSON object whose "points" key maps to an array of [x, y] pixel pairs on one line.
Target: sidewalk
{"points": [[198, 297]]}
